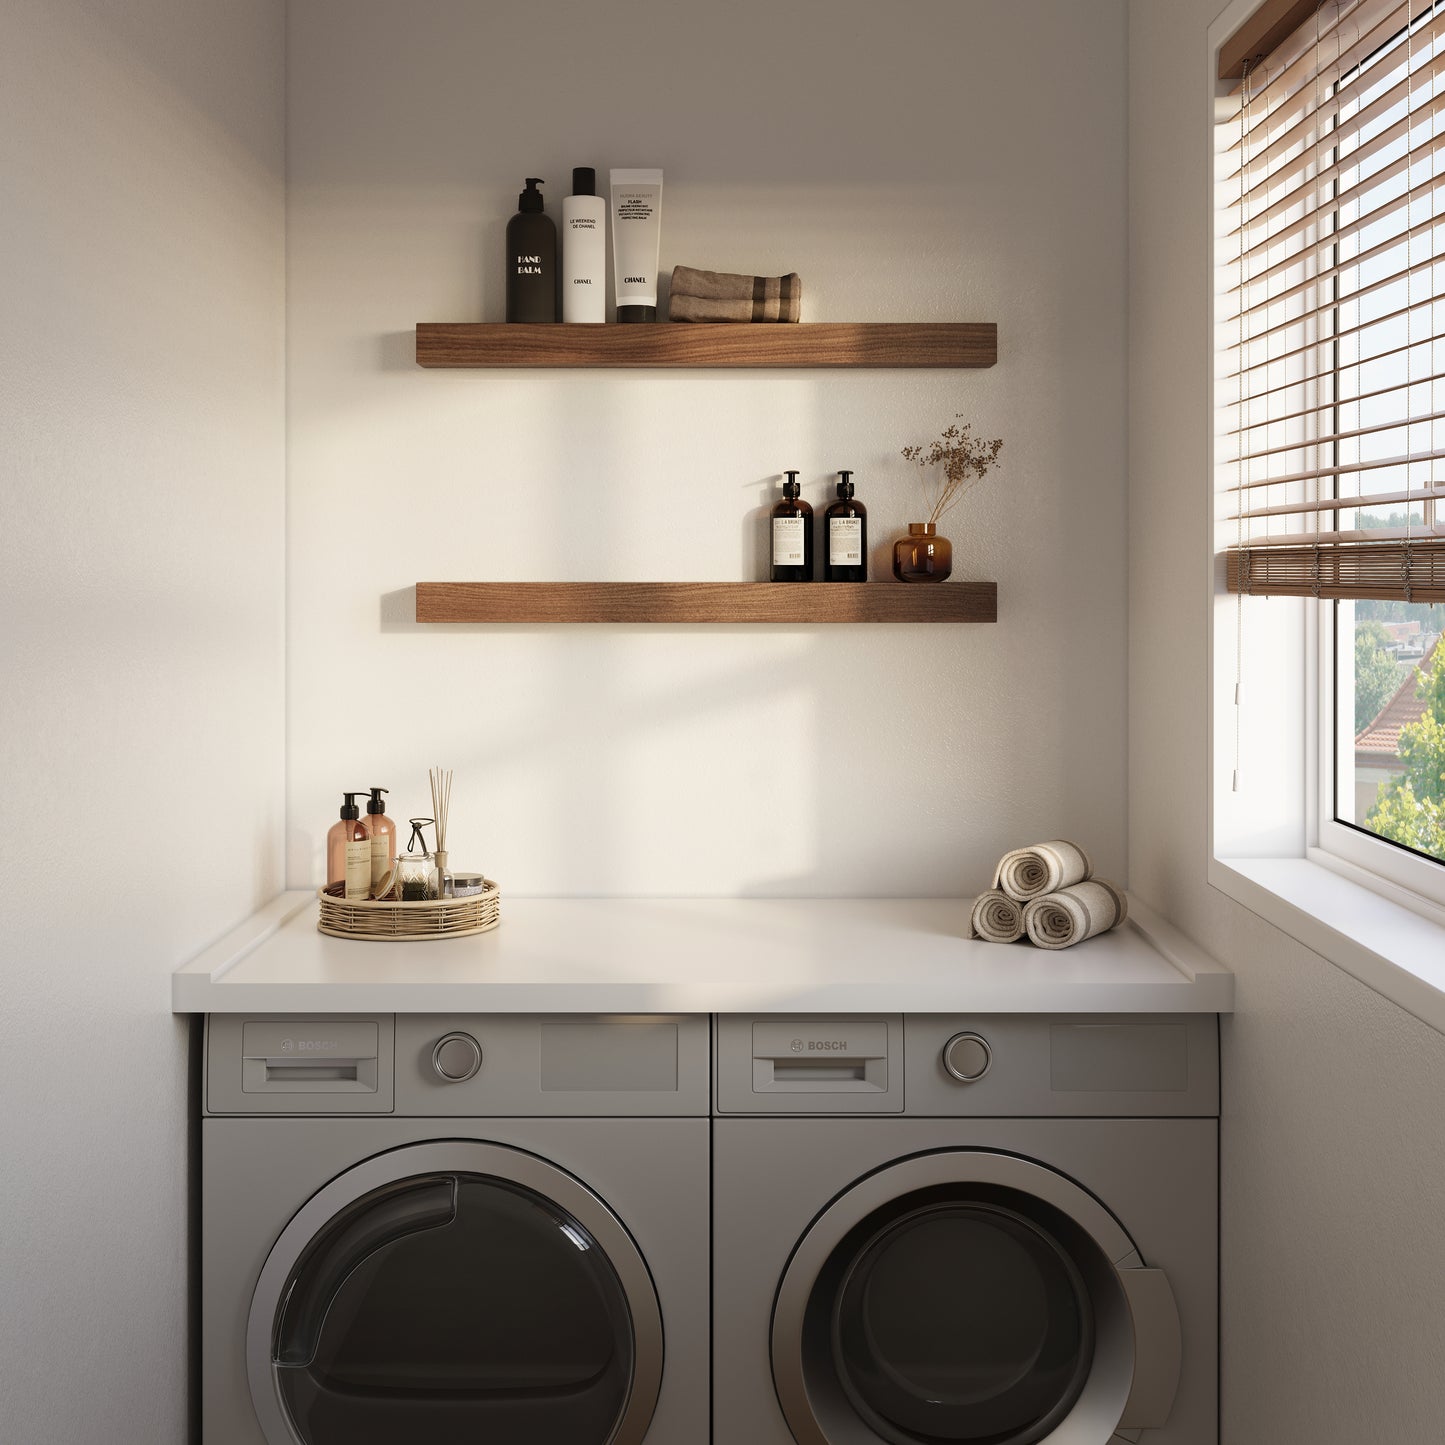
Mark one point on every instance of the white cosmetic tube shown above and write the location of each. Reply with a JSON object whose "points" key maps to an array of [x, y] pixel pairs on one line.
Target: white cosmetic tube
{"points": [[636, 235]]}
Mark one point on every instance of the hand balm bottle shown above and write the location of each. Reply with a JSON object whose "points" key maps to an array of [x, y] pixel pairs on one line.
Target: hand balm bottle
{"points": [[792, 535], [584, 250], [531, 259], [348, 852], [846, 536]]}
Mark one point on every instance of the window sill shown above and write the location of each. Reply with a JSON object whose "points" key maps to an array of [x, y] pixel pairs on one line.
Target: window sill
{"points": [[1395, 951]]}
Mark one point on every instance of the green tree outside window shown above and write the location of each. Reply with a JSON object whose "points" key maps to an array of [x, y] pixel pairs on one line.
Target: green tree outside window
{"points": [[1376, 676], [1410, 809]]}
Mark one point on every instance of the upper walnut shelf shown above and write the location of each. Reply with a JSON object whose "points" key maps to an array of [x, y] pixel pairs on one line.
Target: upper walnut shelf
{"points": [[667, 343]]}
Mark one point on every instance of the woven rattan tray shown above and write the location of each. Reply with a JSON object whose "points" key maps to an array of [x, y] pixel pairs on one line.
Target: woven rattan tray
{"points": [[433, 918]]}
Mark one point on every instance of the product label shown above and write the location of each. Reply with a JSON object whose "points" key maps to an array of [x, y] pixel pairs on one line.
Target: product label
{"points": [[584, 259], [529, 265], [380, 856], [845, 541], [358, 868], [636, 255], [634, 205], [788, 541]]}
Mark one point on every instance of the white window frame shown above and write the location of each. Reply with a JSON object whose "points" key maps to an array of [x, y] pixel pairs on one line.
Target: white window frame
{"points": [[1367, 906], [1412, 880]]}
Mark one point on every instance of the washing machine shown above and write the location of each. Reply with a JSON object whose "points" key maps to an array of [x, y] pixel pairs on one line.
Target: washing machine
{"points": [[966, 1230], [455, 1229]]}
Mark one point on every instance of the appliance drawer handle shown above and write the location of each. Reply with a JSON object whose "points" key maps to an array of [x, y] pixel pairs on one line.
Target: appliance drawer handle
{"points": [[1158, 1348]]}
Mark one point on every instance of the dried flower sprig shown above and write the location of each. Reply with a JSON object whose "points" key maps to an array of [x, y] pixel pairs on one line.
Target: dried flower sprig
{"points": [[964, 460]]}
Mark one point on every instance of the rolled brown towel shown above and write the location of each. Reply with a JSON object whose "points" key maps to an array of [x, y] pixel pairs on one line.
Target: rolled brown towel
{"points": [[996, 918], [1062, 919], [723, 296], [1041, 868]]}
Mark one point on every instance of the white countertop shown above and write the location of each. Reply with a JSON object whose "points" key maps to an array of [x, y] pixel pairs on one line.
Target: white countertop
{"points": [[724, 955]]}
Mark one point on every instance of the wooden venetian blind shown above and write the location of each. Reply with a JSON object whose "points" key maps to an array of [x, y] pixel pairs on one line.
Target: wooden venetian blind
{"points": [[1331, 358]]}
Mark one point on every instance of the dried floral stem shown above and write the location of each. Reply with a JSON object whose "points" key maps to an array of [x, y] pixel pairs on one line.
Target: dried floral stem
{"points": [[964, 460]]}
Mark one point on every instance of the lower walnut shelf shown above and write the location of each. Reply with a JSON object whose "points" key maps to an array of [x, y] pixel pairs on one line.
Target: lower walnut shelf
{"points": [[706, 602]]}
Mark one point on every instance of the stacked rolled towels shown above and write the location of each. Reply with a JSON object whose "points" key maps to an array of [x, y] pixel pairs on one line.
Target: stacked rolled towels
{"points": [[1049, 892], [721, 296]]}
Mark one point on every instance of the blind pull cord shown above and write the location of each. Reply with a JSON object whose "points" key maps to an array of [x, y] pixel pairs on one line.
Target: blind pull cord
{"points": [[1241, 560], [1407, 560]]}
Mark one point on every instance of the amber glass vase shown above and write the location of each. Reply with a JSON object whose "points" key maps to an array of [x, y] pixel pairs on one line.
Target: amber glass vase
{"points": [[922, 556]]}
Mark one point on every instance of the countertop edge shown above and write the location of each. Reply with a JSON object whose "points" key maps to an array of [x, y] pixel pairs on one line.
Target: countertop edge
{"points": [[203, 986]]}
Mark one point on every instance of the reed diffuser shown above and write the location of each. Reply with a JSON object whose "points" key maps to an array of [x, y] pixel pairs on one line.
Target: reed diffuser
{"points": [[441, 801], [953, 465]]}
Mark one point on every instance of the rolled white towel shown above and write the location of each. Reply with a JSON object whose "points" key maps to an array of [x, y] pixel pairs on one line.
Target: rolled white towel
{"points": [[1073, 914], [996, 918], [1043, 868]]}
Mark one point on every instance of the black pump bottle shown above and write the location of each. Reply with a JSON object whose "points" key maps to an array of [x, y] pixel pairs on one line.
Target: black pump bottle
{"points": [[845, 536], [533, 283], [791, 535]]}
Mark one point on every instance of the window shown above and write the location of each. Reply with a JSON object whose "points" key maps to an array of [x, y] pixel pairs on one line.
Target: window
{"points": [[1330, 415]]}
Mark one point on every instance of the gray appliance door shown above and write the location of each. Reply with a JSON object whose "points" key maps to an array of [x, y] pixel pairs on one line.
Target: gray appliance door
{"points": [[454, 1292], [966, 1297]]}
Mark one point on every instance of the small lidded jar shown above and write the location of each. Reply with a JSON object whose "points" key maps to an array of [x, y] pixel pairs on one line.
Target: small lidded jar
{"points": [[465, 885]]}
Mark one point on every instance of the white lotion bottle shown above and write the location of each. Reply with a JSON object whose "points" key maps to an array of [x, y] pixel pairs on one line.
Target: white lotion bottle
{"points": [[584, 250]]}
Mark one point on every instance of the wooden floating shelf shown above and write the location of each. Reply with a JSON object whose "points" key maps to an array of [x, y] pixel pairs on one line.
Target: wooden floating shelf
{"points": [[667, 343], [706, 602]]}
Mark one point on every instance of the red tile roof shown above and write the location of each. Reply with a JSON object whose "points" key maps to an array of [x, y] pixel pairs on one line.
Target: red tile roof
{"points": [[1381, 738]]}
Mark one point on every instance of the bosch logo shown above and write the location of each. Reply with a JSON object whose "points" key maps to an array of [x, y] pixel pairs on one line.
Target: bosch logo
{"points": [[315, 1046], [828, 1046], [796, 1046], [288, 1045]]}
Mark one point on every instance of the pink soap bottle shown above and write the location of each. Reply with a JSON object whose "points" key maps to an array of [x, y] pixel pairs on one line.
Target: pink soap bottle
{"points": [[383, 840], [348, 852]]}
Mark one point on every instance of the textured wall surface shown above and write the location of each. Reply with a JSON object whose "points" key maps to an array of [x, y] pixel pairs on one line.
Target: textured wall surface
{"points": [[1334, 1148], [142, 589], [888, 155]]}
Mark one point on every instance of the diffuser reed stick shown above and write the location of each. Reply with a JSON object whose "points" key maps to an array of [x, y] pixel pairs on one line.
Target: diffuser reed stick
{"points": [[441, 802]]}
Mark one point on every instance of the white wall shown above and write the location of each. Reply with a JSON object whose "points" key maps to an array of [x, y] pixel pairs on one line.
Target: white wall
{"points": [[1333, 1166], [141, 580], [915, 161]]}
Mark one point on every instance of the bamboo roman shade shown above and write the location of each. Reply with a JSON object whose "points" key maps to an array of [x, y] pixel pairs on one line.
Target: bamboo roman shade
{"points": [[1330, 384]]}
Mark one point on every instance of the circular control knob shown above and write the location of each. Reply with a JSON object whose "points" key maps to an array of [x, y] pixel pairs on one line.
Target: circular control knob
{"points": [[967, 1057], [456, 1058]]}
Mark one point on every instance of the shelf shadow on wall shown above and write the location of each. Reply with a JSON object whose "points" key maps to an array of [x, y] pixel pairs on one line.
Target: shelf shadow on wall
{"points": [[396, 351], [398, 611]]}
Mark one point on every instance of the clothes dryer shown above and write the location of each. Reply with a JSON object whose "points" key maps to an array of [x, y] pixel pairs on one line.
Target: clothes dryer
{"points": [[966, 1231], [455, 1229]]}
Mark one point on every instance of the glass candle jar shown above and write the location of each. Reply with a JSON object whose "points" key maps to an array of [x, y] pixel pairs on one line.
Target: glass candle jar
{"points": [[416, 877]]}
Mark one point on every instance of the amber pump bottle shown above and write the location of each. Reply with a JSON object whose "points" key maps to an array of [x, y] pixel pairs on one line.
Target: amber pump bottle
{"points": [[348, 851], [792, 535], [845, 536], [383, 838]]}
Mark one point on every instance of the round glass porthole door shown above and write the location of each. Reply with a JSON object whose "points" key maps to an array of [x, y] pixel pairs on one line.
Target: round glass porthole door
{"points": [[958, 1320], [957, 1298], [455, 1293]]}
